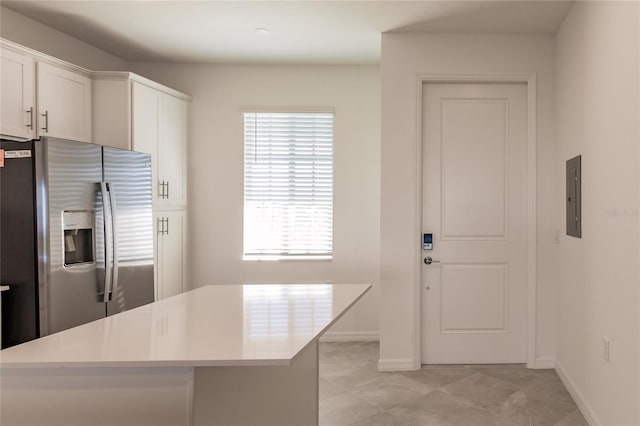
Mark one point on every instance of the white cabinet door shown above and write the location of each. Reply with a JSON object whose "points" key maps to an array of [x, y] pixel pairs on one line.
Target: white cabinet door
{"points": [[159, 127], [171, 272], [17, 100], [145, 126], [64, 103], [172, 150], [112, 112]]}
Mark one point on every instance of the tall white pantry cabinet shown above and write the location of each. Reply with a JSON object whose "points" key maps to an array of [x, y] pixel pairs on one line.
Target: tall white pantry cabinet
{"points": [[132, 112]]}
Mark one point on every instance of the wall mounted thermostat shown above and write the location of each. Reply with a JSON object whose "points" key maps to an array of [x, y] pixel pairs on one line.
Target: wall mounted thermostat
{"points": [[427, 241]]}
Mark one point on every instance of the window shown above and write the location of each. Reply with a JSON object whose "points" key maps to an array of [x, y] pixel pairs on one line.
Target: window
{"points": [[288, 184]]}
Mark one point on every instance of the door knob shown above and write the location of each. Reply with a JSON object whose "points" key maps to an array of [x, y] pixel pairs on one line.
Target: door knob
{"points": [[428, 260]]}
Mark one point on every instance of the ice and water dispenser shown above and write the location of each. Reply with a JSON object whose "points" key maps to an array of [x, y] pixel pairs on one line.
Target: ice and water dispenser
{"points": [[78, 237]]}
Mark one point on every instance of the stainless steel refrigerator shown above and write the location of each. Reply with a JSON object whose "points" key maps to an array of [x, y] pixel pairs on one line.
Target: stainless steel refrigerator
{"points": [[76, 235]]}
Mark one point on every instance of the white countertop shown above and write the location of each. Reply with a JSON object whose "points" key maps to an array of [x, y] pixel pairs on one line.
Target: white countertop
{"points": [[216, 325]]}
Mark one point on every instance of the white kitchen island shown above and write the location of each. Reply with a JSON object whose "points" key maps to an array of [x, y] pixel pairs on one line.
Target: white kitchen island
{"points": [[218, 355]]}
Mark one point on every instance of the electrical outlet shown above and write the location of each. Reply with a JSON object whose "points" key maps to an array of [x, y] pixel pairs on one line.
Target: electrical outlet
{"points": [[606, 347]]}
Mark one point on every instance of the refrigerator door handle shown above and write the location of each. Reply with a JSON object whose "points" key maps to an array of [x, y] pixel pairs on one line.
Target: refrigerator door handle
{"points": [[114, 232], [106, 213]]}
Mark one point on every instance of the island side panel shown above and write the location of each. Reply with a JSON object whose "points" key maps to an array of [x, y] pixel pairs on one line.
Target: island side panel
{"points": [[96, 396], [258, 395]]}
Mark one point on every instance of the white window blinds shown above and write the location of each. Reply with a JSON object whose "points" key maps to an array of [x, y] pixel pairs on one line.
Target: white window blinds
{"points": [[288, 184]]}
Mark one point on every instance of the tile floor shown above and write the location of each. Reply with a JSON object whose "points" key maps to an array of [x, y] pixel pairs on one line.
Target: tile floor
{"points": [[354, 392]]}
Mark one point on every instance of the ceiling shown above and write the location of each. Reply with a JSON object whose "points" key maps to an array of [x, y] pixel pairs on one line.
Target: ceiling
{"points": [[300, 32]]}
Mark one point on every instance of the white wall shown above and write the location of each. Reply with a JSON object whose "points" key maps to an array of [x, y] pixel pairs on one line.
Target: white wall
{"points": [[598, 112], [20, 29], [404, 56], [216, 172]]}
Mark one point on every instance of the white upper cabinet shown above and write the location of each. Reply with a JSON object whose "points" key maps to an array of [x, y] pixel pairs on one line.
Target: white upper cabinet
{"points": [[132, 112], [18, 100], [159, 127], [172, 155], [145, 126], [64, 103], [42, 96]]}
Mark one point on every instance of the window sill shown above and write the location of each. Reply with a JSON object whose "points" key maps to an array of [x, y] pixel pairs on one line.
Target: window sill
{"points": [[272, 258]]}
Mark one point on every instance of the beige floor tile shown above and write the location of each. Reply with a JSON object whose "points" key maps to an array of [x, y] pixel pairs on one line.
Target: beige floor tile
{"points": [[345, 409], [552, 389], [520, 409], [328, 389], [437, 377], [352, 375], [485, 366], [574, 419], [441, 366], [326, 348], [381, 419], [480, 389], [519, 376], [402, 417], [353, 352], [449, 411], [353, 392], [391, 391]]}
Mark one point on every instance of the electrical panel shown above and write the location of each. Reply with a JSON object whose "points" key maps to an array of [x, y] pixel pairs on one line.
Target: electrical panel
{"points": [[574, 189]]}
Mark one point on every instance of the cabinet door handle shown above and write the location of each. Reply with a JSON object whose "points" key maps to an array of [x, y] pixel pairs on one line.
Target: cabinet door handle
{"points": [[163, 226], [46, 121], [30, 112], [167, 194]]}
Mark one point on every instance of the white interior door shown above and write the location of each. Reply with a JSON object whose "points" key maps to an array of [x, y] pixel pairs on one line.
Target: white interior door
{"points": [[474, 204]]}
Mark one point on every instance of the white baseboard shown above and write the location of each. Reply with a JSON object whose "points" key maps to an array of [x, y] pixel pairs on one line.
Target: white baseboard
{"points": [[585, 409], [398, 364], [350, 336], [545, 363]]}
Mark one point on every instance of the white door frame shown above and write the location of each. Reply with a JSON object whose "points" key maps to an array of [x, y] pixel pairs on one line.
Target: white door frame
{"points": [[530, 80]]}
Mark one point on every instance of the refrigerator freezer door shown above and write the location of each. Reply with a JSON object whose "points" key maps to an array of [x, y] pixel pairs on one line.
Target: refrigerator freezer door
{"points": [[128, 175], [68, 176], [17, 254]]}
